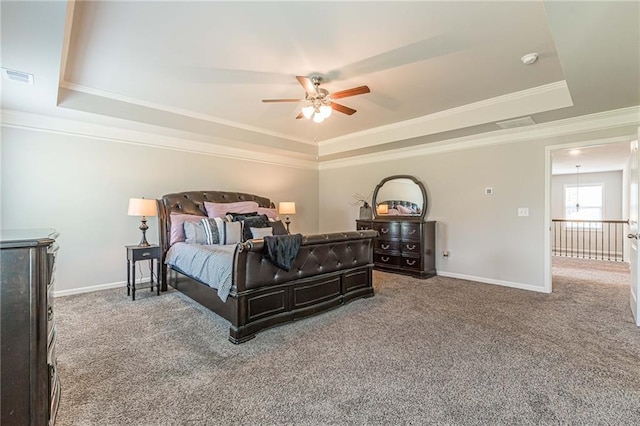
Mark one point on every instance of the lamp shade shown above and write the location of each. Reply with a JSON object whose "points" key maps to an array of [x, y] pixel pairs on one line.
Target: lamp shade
{"points": [[382, 209], [142, 207], [287, 207], [308, 111]]}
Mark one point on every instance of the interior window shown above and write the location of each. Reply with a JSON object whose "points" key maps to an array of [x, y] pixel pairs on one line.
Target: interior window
{"points": [[589, 200]]}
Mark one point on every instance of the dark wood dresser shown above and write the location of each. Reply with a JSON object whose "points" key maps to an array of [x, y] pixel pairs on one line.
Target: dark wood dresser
{"points": [[404, 245], [29, 384]]}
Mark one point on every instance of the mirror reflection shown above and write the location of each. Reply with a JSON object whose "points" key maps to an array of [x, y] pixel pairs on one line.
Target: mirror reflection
{"points": [[400, 196]]}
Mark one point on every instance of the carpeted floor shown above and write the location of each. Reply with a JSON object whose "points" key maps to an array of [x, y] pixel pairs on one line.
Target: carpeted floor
{"points": [[437, 351]]}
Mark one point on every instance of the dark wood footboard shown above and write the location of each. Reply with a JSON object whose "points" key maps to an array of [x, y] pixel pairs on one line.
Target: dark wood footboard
{"points": [[329, 270], [253, 305]]}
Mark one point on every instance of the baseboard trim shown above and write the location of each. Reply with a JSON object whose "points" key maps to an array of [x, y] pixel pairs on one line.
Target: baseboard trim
{"points": [[484, 280], [89, 289]]}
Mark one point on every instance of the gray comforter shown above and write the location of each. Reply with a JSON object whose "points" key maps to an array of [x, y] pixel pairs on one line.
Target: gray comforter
{"points": [[210, 264]]}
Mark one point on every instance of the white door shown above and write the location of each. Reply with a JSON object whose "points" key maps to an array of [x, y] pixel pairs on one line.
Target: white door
{"points": [[634, 214]]}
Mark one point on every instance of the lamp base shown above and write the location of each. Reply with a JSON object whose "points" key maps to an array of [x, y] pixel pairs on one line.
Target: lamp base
{"points": [[287, 222], [143, 228]]}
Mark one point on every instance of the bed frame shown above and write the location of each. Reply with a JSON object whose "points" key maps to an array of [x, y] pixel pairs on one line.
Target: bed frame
{"points": [[329, 270]]}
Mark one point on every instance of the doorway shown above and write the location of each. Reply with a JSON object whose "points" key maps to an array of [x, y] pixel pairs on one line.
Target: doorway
{"points": [[586, 212]]}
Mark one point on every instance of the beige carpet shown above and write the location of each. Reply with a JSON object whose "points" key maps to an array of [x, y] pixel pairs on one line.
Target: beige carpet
{"points": [[439, 351]]}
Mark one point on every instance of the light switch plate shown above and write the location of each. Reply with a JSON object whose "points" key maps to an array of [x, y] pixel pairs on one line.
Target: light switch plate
{"points": [[488, 191], [523, 211]]}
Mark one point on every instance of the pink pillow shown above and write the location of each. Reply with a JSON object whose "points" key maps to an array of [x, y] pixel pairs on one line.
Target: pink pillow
{"points": [[221, 209], [177, 225], [404, 210], [271, 213]]}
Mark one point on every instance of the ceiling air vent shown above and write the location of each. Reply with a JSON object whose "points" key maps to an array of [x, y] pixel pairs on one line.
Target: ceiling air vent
{"points": [[516, 122], [19, 76]]}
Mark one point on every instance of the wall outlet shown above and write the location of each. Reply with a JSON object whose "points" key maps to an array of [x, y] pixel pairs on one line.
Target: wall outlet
{"points": [[446, 253], [523, 211]]}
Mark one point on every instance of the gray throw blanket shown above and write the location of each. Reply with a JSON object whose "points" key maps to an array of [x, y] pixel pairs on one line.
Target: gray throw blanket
{"points": [[282, 249]]}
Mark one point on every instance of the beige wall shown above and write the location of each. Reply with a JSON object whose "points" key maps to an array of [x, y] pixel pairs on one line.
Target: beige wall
{"points": [[485, 236], [81, 187]]}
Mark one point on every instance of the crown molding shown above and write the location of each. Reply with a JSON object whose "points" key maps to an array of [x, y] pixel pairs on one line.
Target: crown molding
{"points": [[46, 123], [525, 102], [179, 111], [567, 127]]}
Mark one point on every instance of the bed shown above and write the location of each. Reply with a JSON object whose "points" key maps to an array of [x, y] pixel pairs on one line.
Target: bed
{"points": [[328, 271], [401, 207]]}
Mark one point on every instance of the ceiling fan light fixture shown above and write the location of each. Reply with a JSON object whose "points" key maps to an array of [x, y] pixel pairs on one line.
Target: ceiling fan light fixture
{"points": [[325, 111], [308, 111], [318, 118]]}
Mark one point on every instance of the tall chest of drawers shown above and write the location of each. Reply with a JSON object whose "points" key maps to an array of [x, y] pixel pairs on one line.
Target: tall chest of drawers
{"points": [[403, 245], [29, 384]]}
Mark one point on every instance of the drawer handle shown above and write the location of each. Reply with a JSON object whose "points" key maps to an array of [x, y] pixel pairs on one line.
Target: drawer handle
{"points": [[385, 246], [384, 259], [146, 254], [411, 232], [364, 228], [411, 262], [411, 246], [383, 230]]}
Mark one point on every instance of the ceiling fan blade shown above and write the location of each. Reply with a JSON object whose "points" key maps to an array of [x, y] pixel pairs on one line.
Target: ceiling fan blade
{"points": [[361, 90], [307, 84], [343, 109], [299, 116], [282, 100]]}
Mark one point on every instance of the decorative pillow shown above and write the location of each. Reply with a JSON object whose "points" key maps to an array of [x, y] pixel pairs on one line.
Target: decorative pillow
{"points": [[261, 232], [404, 210], [177, 225], [231, 216], [221, 209], [271, 213], [249, 222], [210, 229], [229, 232], [194, 233], [278, 227]]}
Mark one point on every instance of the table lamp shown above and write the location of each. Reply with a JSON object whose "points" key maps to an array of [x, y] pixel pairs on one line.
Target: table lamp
{"points": [[287, 208], [142, 207]]}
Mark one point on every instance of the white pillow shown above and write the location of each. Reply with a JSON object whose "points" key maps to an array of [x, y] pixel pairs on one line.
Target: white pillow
{"points": [[230, 232], [261, 232]]}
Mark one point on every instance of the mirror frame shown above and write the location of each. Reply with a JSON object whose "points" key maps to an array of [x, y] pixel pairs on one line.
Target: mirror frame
{"points": [[415, 180]]}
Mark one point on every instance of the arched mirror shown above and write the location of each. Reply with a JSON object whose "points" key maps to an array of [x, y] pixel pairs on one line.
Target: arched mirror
{"points": [[400, 195]]}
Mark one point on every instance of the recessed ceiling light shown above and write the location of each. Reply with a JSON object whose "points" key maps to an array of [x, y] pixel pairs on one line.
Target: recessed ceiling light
{"points": [[574, 152], [529, 58]]}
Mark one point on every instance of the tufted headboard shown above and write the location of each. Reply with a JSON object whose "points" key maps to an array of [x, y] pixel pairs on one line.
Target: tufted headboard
{"points": [[393, 203], [192, 202]]}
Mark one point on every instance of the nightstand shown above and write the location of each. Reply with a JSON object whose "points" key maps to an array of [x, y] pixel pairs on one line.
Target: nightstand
{"points": [[137, 253]]}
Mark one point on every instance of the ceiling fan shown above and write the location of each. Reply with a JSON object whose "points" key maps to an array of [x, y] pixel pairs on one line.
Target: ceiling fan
{"points": [[320, 101]]}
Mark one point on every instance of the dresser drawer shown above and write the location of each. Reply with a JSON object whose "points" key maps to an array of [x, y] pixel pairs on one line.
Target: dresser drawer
{"points": [[386, 259], [142, 254], [387, 245], [363, 225], [410, 263], [54, 393], [410, 247], [411, 231], [51, 348], [387, 230]]}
